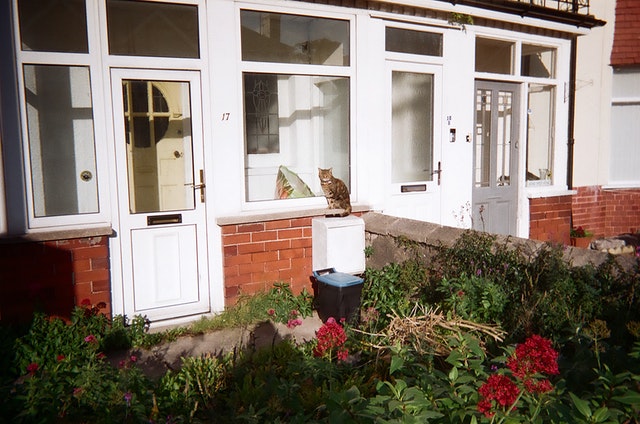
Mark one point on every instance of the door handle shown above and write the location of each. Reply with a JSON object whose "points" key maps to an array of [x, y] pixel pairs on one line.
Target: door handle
{"points": [[438, 171], [200, 186]]}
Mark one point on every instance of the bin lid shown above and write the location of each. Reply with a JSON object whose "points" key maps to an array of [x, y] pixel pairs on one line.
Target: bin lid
{"points": [[338, 279]]}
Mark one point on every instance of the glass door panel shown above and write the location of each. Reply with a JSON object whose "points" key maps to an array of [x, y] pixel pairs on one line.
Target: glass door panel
{"points": [[412, 127], [159, 146]]}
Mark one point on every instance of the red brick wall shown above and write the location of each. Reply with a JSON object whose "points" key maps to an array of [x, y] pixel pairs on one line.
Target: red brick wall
{"points": [[53, 276], [550, 219], [607, 212], [258, 254]]}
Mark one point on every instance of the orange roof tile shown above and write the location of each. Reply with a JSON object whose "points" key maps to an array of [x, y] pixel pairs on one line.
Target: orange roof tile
{"points": [[626, 40]]}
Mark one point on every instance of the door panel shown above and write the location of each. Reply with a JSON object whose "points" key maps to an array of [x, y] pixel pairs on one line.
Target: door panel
{"points": [[165, 275], [162, 225], [495, 185], [414, 141]]}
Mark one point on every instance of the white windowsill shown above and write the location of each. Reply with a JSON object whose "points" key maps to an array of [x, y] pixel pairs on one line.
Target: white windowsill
{"points": [[275, 215]]}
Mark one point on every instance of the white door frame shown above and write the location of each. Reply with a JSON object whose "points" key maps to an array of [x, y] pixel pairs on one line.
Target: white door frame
{"points": [[193, 222]]}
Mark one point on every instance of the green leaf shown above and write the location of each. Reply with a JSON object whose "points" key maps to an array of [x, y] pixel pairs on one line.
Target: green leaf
{"points": [[601, 414], [629, 398], [581, 405], [396, 363], [453, 374]]}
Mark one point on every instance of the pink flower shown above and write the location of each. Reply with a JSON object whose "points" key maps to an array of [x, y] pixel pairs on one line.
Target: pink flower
{"points": [[100, 355], [90, 339], [293, 323], [271, 312], [133, 358], [294, 313]]}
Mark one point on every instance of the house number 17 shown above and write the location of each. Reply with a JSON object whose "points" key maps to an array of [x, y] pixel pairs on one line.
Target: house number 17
{"points": [[225, 116]]}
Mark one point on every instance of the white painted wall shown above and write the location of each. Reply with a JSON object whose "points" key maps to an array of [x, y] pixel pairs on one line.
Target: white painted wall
{"points": [[593, 100]]}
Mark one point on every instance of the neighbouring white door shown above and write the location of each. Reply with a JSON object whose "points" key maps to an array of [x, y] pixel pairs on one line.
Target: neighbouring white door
{"points": [[161, 193], [414, 141], [495, 172]]}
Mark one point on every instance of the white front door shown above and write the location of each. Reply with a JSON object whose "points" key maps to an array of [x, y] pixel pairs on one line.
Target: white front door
{"points": [[161, 193], [414, 141], [495, 173]]}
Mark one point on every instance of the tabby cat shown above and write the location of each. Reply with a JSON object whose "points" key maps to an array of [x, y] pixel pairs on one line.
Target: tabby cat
{"points": [[335, 191]]}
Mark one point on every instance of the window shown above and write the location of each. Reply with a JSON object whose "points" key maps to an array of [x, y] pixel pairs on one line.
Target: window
{"points": [[275, 37], [295, 121], [495, 56], [413, 42], [53, 25], [538, 61], [540, 134], [141, 28], [412, 127], [625, 127], [61, 145]]}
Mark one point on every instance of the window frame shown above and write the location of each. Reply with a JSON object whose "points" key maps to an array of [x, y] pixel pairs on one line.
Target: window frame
{"points": [[272, 159], [91, 61], [619, 102], [558, 150]]}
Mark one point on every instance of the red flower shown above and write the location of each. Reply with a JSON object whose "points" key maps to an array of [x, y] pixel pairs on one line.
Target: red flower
{"points": [[330, 336], [534, 356], [501, 389], [542, 386], [486, 407], [85, 302], [91, 339], [32, 368], [271, 312], [60, 358], [342, 354]]}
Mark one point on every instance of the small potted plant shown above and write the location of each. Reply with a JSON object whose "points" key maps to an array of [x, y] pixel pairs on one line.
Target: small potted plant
{"points": [[580, 237]]}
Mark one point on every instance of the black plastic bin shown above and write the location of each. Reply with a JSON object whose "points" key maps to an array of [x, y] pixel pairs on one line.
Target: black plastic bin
{"points": [[337, 295]]}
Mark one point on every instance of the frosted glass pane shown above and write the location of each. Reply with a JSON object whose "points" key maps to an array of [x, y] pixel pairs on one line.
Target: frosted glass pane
{"points": [[412, 127], [540, 128], [61, 140], [482, 141], [273, 37], [141, 28], [503, 148], [625, 148]]}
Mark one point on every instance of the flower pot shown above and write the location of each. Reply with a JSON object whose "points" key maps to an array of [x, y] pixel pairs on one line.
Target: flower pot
{"points": [[582, 242]]}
